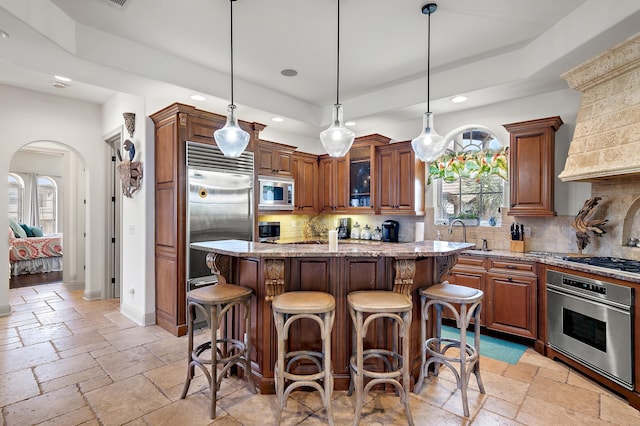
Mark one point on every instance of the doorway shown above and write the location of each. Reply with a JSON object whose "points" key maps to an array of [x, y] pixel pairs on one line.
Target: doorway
{"points": [[46, 193], [114, 264]]}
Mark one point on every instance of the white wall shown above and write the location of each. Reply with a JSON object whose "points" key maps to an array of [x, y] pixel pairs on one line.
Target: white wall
{"points": [[27, 116], [137, 299]]}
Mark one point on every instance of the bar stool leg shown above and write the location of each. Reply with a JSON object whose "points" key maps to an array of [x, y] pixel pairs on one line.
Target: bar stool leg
{"points": [[190, 365], [406, 322], [279, 371], [359, 373], [476, 367], [423, 347], [247, 345], [436, 367], [213, 384], [464, 377], [328, 374]]}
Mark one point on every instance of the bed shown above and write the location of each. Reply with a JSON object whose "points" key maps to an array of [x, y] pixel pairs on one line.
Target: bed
{"points": [[35, 255]]}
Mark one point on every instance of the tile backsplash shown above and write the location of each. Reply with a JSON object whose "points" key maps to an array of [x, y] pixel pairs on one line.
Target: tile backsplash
{"points": [[620, 204]]}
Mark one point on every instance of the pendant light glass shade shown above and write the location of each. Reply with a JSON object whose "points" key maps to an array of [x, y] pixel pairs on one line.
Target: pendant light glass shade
{"points": [[231, 139], [429, 145], [337, 139]]}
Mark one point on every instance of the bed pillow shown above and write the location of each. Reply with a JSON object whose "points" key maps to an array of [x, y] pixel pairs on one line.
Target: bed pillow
{"points": [[27, 229], [17, 229], [37, 232]]}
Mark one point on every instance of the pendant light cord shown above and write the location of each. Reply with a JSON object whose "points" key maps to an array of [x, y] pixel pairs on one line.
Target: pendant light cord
{"points": [[338, 60], [231, 15], [428, 59]]}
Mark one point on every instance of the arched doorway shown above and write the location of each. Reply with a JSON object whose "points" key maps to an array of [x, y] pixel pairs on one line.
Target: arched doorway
{"points": [[54, 197]]}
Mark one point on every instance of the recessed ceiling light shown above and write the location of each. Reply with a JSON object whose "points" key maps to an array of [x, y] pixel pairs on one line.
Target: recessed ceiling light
{"points": [[198, 97], [58, 85], [350, 123], [458, 99], [4, 34], [61, 78], [289, 72], [277, 119]]}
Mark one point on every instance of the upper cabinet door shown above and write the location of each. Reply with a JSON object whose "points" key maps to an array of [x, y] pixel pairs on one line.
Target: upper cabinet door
{"points": [[305, 169], [531, 166], [361, 187], [332, 184], [275, 159], [396, 179]]}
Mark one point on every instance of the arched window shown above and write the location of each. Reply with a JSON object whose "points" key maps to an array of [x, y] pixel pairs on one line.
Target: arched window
{"points": [[16, 197], [48, 204], [470, 177]]}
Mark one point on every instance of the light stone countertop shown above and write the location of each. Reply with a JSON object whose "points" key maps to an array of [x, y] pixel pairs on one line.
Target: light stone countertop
{"points": [[239, 248], [555, 259], [368, 248]]}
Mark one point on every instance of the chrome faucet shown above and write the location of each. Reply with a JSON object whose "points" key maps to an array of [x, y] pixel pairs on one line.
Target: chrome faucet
{"points": [[464, 228]]}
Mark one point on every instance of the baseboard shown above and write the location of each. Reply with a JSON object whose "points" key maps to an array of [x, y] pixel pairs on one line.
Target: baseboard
{"points": [[92, 295], [137, 316], [73, 286], [5, 310]]}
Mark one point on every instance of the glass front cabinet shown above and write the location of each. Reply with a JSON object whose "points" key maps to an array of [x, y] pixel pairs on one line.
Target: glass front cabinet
{"points": [[362, 167]]}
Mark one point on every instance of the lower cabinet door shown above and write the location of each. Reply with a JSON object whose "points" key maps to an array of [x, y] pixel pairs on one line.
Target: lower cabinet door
{"points": [[512, 306]]}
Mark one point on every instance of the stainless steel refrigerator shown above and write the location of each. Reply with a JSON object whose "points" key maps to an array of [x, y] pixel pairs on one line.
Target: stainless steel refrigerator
{"points": [[220, 203]]}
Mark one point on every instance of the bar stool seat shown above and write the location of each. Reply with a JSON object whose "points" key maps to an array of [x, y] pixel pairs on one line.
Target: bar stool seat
{"points": [[287, 308], [468, 356], [214, 302], [364, 308]]}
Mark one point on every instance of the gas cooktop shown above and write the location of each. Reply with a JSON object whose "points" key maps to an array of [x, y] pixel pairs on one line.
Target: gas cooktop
{"points": [[626, 265]]}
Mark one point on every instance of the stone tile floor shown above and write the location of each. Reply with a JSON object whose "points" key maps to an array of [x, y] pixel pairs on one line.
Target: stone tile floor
{"points": [[68, 361]]}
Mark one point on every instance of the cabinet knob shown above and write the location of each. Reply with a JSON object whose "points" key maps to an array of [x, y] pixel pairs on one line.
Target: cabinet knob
{"points": [[509, 279]]}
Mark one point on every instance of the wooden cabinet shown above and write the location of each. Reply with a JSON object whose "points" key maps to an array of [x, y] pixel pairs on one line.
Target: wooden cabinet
{"points": [[332, 184], [531, 166], [274, 159], [363, 169], [396, 179], [174, 126], [510, 288], [305, 176], [512, 298]]}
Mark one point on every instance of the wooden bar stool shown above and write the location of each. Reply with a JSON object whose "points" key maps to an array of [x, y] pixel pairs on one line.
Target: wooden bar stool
{"points": [[214, 302], [364, 308], [470, 301], [287, 308]]}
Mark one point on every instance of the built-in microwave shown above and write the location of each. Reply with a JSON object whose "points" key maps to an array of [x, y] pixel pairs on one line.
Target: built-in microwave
{"points": [[276, 193]]}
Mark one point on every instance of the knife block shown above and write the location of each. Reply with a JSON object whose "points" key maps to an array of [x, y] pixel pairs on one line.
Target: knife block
{"points": [[517, 246]]}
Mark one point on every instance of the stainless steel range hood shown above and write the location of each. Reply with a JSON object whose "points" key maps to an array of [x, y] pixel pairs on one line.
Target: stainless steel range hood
{"points": [[606, 141]]}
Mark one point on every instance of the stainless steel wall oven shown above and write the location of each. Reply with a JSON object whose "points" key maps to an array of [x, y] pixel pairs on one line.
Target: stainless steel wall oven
{"points": [[591, 322]]}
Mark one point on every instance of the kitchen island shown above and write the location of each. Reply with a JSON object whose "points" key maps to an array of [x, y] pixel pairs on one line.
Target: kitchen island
{"points": [[270, 269]]}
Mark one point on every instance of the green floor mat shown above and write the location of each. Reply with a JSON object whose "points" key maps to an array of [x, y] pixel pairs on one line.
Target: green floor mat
{"points": [[491, 347]]}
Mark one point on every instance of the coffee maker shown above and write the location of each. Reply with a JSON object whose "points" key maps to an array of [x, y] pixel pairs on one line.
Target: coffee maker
{"points": [[390, 231], [344, 229]]}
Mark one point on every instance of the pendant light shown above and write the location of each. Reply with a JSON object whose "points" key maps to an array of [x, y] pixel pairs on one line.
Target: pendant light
{"points": [[429, 145], [231, 139], [337, 139]]}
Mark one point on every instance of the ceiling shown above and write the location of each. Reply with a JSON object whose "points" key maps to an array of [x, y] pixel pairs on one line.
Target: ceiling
{"points": [[489, 50]]}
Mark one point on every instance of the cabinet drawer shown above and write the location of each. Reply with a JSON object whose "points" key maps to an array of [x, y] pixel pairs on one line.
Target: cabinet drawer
{"points": [[512, 266], [470, 261]]}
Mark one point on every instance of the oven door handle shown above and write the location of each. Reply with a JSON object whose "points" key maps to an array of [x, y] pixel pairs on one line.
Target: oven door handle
{"points": [[561, 291]]}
